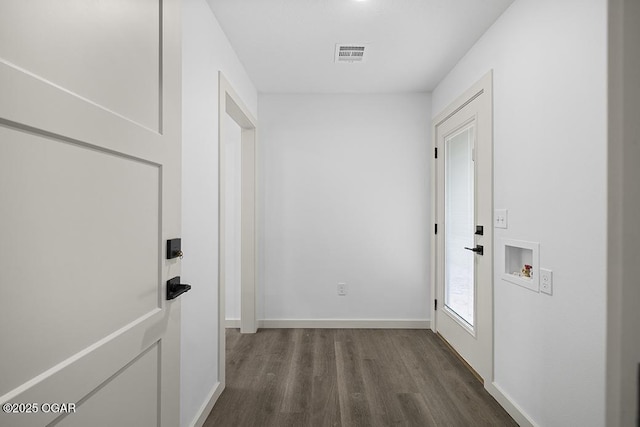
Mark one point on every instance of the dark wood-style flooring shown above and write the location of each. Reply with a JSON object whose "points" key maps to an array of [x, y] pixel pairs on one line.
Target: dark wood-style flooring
{"points": [[349, 377]]}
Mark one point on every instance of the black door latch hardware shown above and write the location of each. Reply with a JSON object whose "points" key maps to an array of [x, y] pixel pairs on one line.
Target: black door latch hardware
{"points": [[479, 249], [175, 288], [174, 248]]}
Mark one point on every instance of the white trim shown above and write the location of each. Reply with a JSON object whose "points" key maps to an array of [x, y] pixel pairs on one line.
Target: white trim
{"points": [[346, 323], [232, 323], [482, 87], [207, 406], [230, 103], [516, 412], [434, 235]]}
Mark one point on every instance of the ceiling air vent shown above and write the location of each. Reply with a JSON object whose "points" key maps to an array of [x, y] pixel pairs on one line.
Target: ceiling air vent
{"points": [[350, 52]]}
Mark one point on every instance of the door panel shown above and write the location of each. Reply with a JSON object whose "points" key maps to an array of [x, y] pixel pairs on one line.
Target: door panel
{"points": [[464, 200], [106, 52], [90, 185], [104, 222], [138, 377]]}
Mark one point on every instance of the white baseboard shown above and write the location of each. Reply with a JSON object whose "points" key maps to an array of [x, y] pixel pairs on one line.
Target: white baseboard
{"points": [[344, 323], [232, 323], [516, 412], [207, 406]]}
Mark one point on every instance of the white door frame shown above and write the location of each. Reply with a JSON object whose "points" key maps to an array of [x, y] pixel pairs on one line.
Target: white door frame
{"points": [[483, 86], [230, 103]]}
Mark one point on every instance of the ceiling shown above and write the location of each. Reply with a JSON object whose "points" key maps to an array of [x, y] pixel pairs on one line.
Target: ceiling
{"points": [[287, 46]]}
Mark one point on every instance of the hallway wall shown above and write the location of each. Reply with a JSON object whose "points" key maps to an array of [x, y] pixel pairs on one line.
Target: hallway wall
{"points": [[550, 142], [206, 50], [345, 181]]}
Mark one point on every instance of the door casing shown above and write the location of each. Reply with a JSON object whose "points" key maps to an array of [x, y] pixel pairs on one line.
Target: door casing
{"points": [[482, 87], [230, 103]]}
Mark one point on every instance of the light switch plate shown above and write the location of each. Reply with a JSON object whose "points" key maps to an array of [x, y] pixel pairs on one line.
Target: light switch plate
{"points": [[501, 218], [546, 281]]}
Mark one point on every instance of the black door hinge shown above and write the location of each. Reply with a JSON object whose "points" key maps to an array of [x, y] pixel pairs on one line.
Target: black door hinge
{"points": [[436, 152], [435, 305], [436, 228]]}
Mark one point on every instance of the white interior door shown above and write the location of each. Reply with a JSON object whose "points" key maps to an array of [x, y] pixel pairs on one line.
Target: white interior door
{"points": [[90, 186], [464, 266]]}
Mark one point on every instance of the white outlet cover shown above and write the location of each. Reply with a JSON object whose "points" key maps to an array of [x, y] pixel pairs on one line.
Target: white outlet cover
{"points": [[342, 289], [546, 281]]}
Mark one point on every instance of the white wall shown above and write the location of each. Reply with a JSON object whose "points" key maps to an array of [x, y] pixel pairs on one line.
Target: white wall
{"points": [[623, 356], [550, 98], [205, 51], [345, 182]]}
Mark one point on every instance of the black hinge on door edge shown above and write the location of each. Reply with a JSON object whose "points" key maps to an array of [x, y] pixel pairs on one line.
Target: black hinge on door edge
{"points": [[436, 228], [435, 305], [436, 152]]}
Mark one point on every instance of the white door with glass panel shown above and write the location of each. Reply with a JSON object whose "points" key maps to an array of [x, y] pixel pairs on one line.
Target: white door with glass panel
{"points": [[90, 192], [463, 137]]}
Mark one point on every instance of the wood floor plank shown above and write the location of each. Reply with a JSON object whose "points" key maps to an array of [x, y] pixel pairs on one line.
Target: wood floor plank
{"points": [[349, 377], [277, 368], [299, 375], [385, 408], [354, 409], [390, 353], [416, 411], [427, 365], [325, 404]]}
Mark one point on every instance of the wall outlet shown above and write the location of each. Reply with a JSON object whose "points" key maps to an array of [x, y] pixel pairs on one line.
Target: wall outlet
{"points": [[501, 218], [546, 281], [342, 289]]}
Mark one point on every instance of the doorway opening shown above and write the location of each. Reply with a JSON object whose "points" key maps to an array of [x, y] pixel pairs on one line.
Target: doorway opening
{"points": [[230, 106]]}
